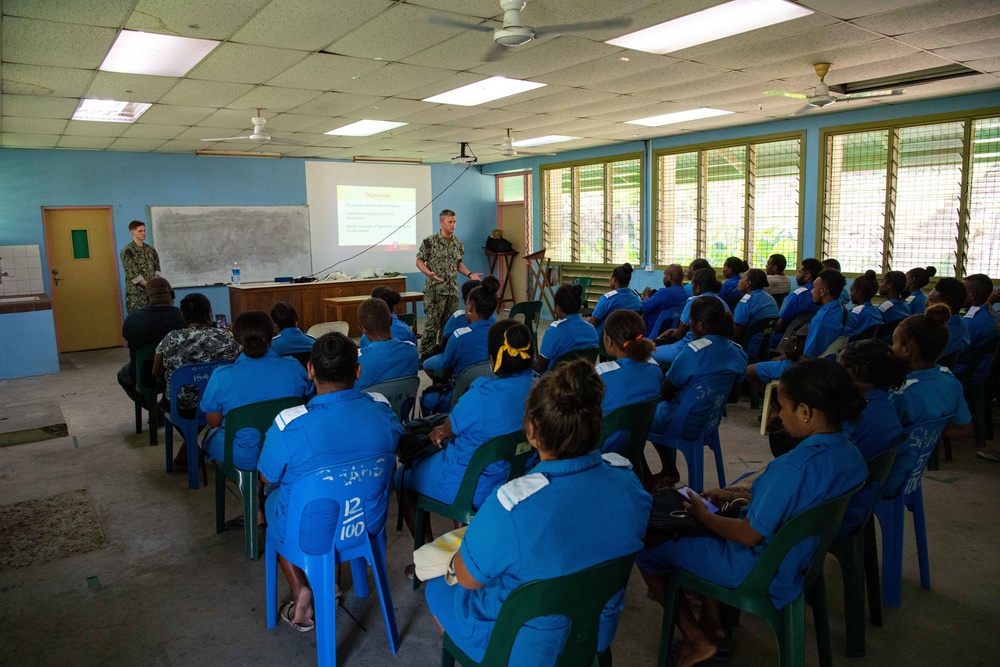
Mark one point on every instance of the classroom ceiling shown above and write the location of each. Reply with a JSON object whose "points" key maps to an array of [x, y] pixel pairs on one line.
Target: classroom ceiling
{"points": [[315, 65]]}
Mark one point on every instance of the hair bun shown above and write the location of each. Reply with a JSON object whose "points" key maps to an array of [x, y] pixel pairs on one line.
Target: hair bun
{"points": [[628, 267], [576, 290], [490, 284], [871, 275], [937, 314], [931, 271], [575, 389]]}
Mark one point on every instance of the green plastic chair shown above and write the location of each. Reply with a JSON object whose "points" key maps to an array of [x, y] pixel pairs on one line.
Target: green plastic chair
{"points": [[258, 416], [468, 376], [580, 596], [143, 370], [407, 318], [852, 551], [788, 624], [588, 353], [531, 311], [512, 448], [301, 357], [633, 420]]}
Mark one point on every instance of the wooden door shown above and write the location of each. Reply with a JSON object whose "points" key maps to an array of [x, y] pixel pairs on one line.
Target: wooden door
{"points": [[512, 225], [83, 273]]}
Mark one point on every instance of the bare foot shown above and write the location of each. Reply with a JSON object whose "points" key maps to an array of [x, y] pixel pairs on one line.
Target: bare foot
{"points": [[692, 654], [303, 607]]}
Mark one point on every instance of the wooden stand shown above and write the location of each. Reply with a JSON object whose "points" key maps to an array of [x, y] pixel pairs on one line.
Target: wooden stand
{"points": [[541, 288], [504, 275]]}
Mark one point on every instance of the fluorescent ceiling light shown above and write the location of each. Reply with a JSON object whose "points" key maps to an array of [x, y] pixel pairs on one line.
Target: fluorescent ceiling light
{"points": [[484, 91], [112, 111], [365, 128], [710, 24], [678, 117], [160, 55], [541, 141]]}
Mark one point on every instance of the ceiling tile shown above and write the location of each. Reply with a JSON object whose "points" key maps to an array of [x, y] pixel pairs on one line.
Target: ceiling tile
{"points": [[612, 75], [33, 125], [146, 131], [38, 80], [395, 34], [109, 13], [31, 42], [130, 87], [547, 55], [956, 34], [832, 37], [441, 114], [325, 71], [985, 64], [712, 84], [463, 51], [641, 112], [971, 51], [89, 128], [334, 104], [849, 9], [205, 93], [526, 97], [309, 24], [773, 33], [180, 147], [452, 82], [393, 79], [848, 64], [86, 143], [243, 63], [273, 98], [136, 145], [927, 16], [217, 19], [490, 118], [11, 140], [570, 127], [29, 106], [541, 14], [164, 114], [229, 118], [391, 108], [431, 132], [290, 122]]}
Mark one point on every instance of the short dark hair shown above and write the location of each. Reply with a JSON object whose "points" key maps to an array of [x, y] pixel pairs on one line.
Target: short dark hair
{"points": [[834, 280], [569, 298], [706, 280], [253, 330], [517, 336], [778, 260], [387, 294], [874, 363], [195, 308], [625, 329], [284, 315], [953, 293], [445, 213], [374, 317], [623, 274], [928, 331], [334, 359], [823, 385], [700, 263], [757, 278], [468, 286], [564, 410], [812, 266], [831, 263], [134, 224], [981, 283], [711, 311]]}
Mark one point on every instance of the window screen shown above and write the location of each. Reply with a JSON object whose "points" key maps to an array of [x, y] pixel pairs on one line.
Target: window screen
{"points": [[725, 203], [775, 202], [983, 245], [557, 229], [677, 214], [626, 211]]}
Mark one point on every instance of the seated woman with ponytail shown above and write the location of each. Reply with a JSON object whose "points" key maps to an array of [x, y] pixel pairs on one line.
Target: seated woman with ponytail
{"points": [[569, 332], [489, 408], [632, 376], [467, 346], [916, 280], [703, 283], [952, 293], [621, 297], [542, 525], [816, 397], [864, 315], [893, 288]]}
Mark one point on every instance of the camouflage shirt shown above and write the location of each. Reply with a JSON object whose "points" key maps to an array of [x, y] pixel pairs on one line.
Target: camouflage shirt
{"points": [[442, 256], [195, 345], [140, 263]]}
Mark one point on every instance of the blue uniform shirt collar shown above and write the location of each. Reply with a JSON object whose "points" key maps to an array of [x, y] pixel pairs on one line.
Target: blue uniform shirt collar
{"points": [[333, 397], [570, 466], [479, 324], [270, 353], [573, 316]]}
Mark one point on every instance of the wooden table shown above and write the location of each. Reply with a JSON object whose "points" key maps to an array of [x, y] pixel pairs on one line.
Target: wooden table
{"points": [[335, 308], [504, 274]]}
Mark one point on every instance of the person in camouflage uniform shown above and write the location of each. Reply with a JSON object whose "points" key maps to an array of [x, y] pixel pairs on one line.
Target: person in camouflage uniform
{"points": [[140, 262], [440, 255]]}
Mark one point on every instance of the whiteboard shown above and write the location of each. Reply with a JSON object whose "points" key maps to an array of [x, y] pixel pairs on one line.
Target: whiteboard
{"points": [[198, 244]]}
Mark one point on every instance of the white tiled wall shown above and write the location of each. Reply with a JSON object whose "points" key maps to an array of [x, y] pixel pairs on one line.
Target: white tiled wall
{"points": [[23, 266]]}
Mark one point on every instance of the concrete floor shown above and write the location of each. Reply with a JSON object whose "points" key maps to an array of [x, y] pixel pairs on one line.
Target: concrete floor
{"points": [[173, 592]]}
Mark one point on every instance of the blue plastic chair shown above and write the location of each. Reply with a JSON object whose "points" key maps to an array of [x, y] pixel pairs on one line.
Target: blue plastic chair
{"points": [[188, 375], [696, 426], [903, 491], [667, 319], [352, 488], [401, 393]]}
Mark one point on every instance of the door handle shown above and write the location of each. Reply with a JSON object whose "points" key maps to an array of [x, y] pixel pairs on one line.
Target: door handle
{"points": [[55, 277]]}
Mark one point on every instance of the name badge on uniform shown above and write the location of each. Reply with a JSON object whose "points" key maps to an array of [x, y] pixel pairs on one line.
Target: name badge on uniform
{"points": [[971, 312], [801, 290], [746, 297], [857, 309], [886, 306], [611, 293]]}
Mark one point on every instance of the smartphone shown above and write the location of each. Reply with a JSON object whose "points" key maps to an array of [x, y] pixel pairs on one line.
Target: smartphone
{"points": [[220, 321], [687, 492]]}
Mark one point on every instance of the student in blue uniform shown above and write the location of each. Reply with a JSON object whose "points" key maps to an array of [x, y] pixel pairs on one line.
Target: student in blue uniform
{"points": [[694, 266], [709, 352], [864, 315], [385, 357], [894, 308], [703, 283], [400, 329], [952, 293], [467, 346], [340, 424], [668, 299], [799, 301], [569, 332], [831, 263], [542, 525], [290, 339], [621, 297], [631, 376], [755, 305], [916, 280], [457, 319], [732, 270], [491, 407], [816, 397], [826, 327], [982, 322]]}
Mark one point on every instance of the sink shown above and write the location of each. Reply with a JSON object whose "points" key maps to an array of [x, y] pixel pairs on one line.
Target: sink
{"points": [[19, 299]]}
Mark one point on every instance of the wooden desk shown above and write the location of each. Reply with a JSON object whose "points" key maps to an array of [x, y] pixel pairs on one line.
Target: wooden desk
{"points": [[307, 298], [338, 306]]}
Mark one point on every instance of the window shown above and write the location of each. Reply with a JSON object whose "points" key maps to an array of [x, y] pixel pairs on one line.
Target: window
{"points": [[741, 200], [591, 212], [893, 197]]}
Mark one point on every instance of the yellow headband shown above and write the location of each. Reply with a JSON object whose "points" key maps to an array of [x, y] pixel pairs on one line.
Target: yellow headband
{"points": [[512, 351]]}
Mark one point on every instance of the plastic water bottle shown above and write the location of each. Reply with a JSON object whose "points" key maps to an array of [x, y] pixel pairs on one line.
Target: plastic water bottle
{"points": [[236, 273]]}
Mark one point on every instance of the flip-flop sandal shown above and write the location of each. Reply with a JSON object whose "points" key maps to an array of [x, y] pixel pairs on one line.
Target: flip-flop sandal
{"points": [[991, 455], [287, 611]]}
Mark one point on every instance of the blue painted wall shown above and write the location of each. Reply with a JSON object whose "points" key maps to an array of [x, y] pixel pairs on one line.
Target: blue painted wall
{"points": [[27, 344]]}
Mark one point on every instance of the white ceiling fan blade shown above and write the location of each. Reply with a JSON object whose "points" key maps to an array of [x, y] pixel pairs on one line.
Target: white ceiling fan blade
{"points": [[870, 95], [288, 142], [586, 26], [784, 93], [441, 20], [226, 138], [805, 109], [494, 53]]}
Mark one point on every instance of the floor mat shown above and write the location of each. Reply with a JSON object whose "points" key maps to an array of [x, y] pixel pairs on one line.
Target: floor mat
{"points": [[37, 531], [22, 423]]}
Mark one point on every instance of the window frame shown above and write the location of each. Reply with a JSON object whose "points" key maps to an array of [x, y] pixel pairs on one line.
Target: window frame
{"points": [[750, 178]]}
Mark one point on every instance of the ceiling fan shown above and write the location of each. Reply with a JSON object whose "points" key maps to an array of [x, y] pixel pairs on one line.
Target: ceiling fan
{"points": [[260, 134], [824, 95], [515, 33], [507, 148]]}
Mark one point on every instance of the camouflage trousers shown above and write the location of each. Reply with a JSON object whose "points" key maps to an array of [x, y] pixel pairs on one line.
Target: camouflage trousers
{"points": [[437, 309]]}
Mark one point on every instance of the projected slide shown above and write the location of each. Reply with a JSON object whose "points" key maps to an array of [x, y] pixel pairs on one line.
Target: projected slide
{"points": [[370, 215]]}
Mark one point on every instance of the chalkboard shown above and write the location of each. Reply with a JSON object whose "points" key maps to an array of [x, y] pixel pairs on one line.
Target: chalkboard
{"points": [[198, 244]]}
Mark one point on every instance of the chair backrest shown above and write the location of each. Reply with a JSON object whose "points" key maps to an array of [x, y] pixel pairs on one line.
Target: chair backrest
{"points": [[585, 283], [886, 329], [144, 379], [257, 416], [834, 348], [667, 319], [624, 430], [778, 298], [349, 488], [797, 323], [701, 407], [865, 334], [301, 357], [874, 487], [512, 448], [318, 330], [588, 353], [975, 359], [401, 394], [911, 458], [531, 311], [465, 378], [407, 318], [763, 326], [581, 597], [188, 375]]}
